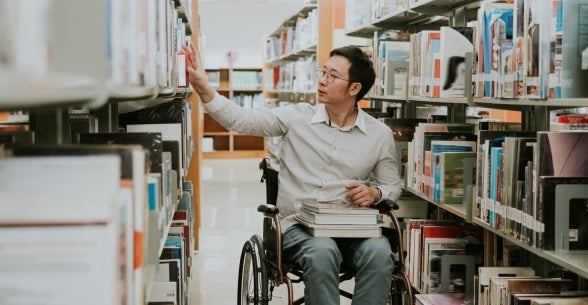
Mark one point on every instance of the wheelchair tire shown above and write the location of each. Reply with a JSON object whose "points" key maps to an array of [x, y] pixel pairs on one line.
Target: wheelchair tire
{"points": [[400, 293], [252, 285], [264, 281]]}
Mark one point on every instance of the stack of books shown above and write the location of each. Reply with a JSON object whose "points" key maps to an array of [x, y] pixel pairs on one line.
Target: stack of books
{"points": [[338, 219]]}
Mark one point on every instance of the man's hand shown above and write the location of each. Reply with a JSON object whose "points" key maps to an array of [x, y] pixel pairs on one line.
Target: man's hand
{"points": [[197, 74], [361, 194]]}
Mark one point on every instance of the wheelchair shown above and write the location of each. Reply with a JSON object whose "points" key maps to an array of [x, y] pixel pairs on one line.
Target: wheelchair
{"points": [[262, 267]]}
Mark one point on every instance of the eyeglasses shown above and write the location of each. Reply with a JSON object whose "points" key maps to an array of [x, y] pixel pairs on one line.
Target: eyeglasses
{"points": [[320, 73]]}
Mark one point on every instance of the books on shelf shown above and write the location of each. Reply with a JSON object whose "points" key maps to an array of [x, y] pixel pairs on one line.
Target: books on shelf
{"points": [[392, 68], [486, 273], [502, 288], [61, 236], [441, 299], [440, 240]]}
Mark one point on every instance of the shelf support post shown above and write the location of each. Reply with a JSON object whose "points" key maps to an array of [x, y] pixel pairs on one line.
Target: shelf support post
{"points": [[107, 118], [51, 126]]}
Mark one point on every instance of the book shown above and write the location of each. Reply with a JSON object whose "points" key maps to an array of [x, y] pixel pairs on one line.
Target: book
{"points": [[133, 167], [332, 218], [71, 264], [60, 226], [565, 62], [547, 208], [162, 293], [337, 208], [486, 273], [152, 142], [560, 301], [441, 299], [452, 182], [413, 245], [467, 238], [169, 132], [528, 298], [537, 285], [435, 250], [341, 231]]}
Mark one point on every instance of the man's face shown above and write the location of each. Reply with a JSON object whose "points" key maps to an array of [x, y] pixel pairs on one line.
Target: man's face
{"points": [[334, 84]]}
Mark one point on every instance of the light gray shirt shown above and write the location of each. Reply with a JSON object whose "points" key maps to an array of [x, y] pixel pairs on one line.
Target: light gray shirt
{"points": [[317, 158]]}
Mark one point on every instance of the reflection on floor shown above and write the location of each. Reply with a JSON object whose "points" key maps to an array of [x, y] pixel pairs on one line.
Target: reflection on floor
{"points": [[231, 192]]}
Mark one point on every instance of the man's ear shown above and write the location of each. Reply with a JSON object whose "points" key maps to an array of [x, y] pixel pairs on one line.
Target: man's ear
{"points": [[354, 88]]}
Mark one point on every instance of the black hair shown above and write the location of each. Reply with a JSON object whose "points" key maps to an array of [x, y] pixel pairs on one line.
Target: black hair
{"points": [[361, 69]]}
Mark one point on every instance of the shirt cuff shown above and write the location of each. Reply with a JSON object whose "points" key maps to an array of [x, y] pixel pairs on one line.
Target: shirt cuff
{"points": [[216, 104], [381, 196]]}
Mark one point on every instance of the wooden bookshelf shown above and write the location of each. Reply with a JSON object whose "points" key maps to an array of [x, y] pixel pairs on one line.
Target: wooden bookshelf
{"points": [[237, 84]]}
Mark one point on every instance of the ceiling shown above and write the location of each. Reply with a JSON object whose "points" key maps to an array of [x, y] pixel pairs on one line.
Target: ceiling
{"points": [[242, 23]]}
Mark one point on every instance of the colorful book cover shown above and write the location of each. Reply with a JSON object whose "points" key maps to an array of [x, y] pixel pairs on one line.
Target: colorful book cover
{"points": [[452, 185]]}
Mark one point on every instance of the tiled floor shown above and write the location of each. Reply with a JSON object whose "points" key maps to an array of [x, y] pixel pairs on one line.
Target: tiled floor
{"points": [[231, 192]]}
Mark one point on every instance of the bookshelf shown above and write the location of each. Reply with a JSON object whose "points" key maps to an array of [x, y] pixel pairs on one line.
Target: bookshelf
{"points": [[244, 87], [413, 17], [292, 52], [52, 72]]}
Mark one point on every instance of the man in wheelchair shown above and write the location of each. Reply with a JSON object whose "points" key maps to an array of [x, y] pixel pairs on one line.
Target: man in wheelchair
{"points": [[329, 153]]}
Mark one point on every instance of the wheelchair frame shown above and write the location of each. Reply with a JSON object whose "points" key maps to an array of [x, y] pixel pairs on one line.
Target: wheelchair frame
{"points": [[261, 267]]}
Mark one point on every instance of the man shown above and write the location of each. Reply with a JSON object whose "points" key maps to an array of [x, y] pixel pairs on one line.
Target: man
{"points": [[330, 151]]}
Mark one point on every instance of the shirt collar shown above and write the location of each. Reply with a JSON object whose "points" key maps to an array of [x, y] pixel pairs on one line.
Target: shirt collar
{"points": [[321, 116]]}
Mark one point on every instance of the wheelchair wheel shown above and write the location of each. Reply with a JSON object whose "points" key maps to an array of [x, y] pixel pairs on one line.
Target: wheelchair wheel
{"points": [[399, 292], [253, 281]]}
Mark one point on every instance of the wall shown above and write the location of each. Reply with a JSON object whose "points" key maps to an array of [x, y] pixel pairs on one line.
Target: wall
{"points": [[240, 27]]}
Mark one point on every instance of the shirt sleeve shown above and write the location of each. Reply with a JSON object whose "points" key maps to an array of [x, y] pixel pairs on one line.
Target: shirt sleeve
{"points": [[386, 173], [257, 121]]}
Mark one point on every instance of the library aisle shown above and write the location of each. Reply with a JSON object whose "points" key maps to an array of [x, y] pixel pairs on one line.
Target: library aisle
{"points": [[231, 192]]}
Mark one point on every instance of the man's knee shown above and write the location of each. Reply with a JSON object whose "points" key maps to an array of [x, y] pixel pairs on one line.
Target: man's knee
{"points": [[376, 253], [322, 252]]}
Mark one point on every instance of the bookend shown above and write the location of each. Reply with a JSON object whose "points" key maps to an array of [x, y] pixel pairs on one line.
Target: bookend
{"points": [[469, 264], [571, 201]]}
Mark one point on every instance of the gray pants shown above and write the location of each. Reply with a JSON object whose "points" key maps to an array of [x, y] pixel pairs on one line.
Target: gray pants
{"points": [[321, 258]]}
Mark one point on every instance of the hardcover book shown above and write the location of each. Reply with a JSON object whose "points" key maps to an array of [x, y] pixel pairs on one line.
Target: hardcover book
{"points": [[341, 231], [337, 208], [452, 183], [333, 218], [152, 142], [486, 273]]}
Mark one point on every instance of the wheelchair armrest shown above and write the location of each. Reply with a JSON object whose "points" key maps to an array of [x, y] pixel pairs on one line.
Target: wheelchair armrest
{"points": [[385, 206], [268, 209]]}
